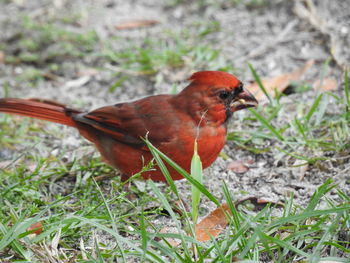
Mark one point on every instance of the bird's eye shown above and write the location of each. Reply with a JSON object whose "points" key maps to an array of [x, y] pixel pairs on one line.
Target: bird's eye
{"points": [[240, 88], [224, 94]]}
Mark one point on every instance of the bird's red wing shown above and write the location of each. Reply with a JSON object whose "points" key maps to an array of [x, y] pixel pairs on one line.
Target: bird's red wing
{"points": [[114, 121], [127, 123]]}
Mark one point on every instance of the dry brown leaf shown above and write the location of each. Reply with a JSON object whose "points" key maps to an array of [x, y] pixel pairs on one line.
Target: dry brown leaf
{"points": [[213, 224], [279, 83], [136, 24], [50, 76], [239, 167], [326, 85], [88, 72]]}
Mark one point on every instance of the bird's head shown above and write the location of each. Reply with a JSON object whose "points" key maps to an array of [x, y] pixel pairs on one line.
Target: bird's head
{"points": [[219, 93]]}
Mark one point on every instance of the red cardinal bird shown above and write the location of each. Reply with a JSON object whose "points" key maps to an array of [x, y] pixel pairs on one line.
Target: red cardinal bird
{"points": [[171, 123]]}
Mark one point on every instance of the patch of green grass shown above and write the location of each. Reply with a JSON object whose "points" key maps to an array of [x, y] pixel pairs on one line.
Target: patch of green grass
{"points": [[71, 221], [43, 49], [177, 50], [44, 46], [14, 130], [156, 56], [45, 42], [34, 195]]}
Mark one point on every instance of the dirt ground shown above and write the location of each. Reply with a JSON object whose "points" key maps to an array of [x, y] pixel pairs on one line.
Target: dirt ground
{"points": [[275, 37]]}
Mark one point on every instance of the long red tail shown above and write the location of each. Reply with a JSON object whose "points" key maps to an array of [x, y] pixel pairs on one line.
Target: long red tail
{"points": [[41, 109]]}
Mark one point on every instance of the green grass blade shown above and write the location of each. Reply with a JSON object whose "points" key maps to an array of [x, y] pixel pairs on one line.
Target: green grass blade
{"points": [[330, 229], [267, 125], [249, 244], [16, 246], [305, 215], [185, 174], [144, 239], [112, 219], [164, 202], [19, 229], [236, 218], [301, 129], [98, 252], [319, 193], [261, 86], [94, 223], [313, 108], [284, 244], [163, 168], [321, 110], [167, 206], [197, 174], [346, 90]]}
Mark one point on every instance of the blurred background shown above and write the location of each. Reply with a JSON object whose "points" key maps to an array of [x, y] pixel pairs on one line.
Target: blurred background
{"points": [[98, 52]]}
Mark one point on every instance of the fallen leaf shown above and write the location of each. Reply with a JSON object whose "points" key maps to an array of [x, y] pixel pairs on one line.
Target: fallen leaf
{"points": [[326, 85], [239, 167], [87, 72], [36, 228], [213, 224], [50, 76], [279, 83], [136, 24]]}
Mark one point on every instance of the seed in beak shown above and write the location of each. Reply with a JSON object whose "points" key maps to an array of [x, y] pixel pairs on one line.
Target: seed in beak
{"points": [[242, 101]]}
